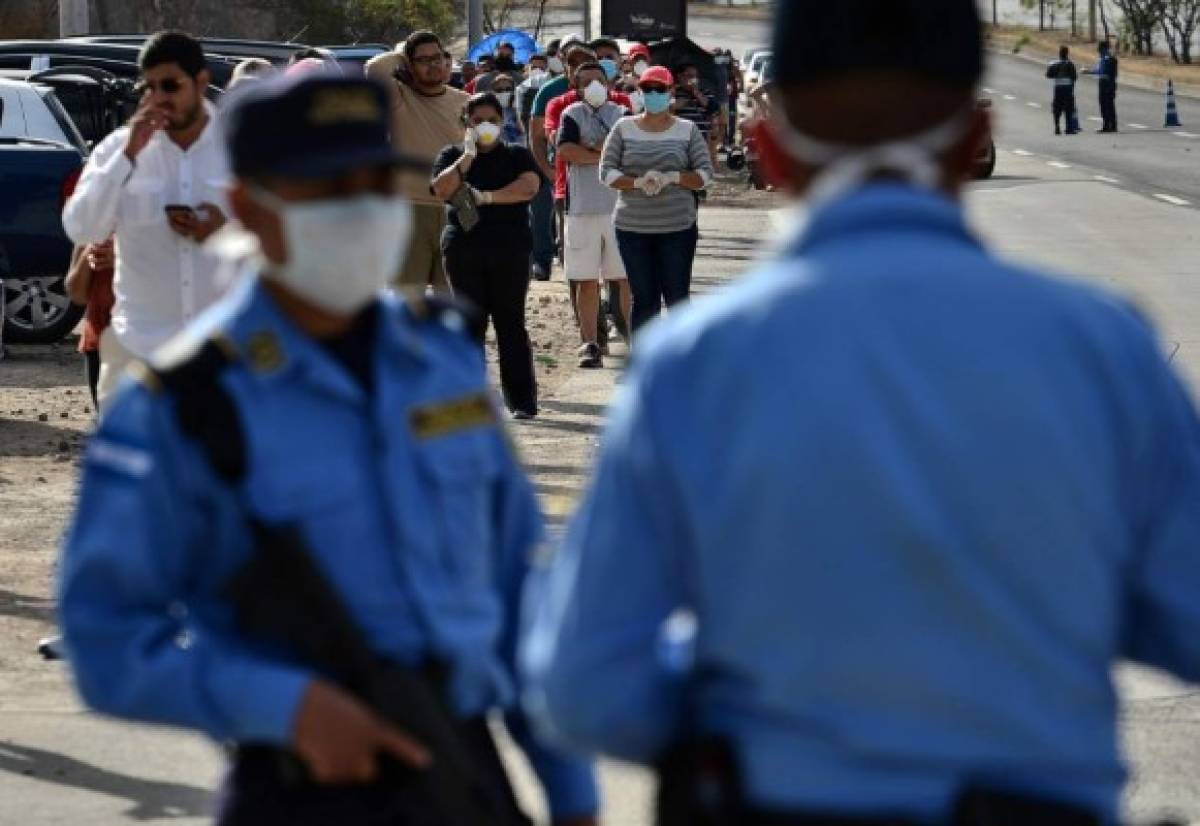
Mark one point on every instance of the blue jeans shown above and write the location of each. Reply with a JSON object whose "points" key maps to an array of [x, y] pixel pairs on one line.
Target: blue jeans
{"points": [[541, 224], [659, 267]]}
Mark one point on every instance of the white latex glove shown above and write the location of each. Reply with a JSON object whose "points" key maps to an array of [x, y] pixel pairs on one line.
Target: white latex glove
{"points": [[482, 198], [470, 143], [651, 183], [670, 178]]}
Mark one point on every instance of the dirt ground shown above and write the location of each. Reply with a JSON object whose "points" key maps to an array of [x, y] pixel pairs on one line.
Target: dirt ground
{"points": [[46, 413]]}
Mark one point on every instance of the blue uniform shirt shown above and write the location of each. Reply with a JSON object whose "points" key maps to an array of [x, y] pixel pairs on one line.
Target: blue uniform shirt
{"points": [[418, 514], [918, 503]]}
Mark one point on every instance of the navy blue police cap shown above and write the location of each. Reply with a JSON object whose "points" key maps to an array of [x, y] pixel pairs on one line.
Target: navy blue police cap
{"points": [[310, 125], [938, 40]]}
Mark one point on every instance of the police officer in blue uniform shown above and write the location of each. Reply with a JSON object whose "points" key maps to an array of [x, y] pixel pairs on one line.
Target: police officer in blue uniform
{"points": [[309, 399], [881, 575], [1107, 70]]}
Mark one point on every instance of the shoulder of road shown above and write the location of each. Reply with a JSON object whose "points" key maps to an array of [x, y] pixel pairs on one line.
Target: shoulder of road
{"points": [[1149, 73]]}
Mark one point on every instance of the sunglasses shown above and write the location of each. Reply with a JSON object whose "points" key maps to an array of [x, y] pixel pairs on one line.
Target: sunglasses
{"points": [[168, 87], [654, 88]]}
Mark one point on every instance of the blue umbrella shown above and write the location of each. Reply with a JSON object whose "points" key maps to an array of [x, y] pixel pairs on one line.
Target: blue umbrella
{"points": [[523, 45]]}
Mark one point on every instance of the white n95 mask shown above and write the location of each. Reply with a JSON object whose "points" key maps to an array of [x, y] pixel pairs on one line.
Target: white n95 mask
{"points": [[487, 132], [595, 94], [340, 252], [845, 168]]}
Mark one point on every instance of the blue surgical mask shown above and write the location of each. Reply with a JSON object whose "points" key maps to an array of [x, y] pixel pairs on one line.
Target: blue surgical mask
{"points": [[610, 68], [656, 102]]}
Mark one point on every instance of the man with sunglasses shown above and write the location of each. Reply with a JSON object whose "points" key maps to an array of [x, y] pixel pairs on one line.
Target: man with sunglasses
{"points": [[426, 115], [158, 186]]}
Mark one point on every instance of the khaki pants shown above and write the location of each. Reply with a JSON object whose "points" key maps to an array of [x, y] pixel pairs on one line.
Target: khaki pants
{"points": [[114, 359], [423, 264]]}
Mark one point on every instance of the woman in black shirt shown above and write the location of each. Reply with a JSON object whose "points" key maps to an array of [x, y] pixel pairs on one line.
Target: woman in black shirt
{"points": [[487, 185]]}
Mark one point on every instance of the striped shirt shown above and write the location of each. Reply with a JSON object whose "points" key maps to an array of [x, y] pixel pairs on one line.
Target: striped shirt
{"points": [[631, 150]]}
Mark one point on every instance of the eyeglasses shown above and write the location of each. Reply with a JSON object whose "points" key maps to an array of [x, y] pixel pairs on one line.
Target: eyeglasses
{"points": [[168, 87], [431, 60]]}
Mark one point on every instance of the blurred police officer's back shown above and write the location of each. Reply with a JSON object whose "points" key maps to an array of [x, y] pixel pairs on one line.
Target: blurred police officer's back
{"points": [[917, 501], [307, 401]]}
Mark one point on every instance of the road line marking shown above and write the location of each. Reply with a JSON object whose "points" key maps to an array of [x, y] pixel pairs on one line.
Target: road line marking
{"points": [[1171, 199], [1010, 97], [1185, 135], [1022, 153], [1106, 179], [1098, 120], [1137, 126], [1033, 105], [1058, 165]]}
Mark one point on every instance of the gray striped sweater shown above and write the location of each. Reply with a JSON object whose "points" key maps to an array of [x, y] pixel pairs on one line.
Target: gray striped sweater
{"points": [[631, 150]]}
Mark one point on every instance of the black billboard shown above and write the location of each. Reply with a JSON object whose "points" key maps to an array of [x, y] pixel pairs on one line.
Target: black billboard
{"points": [[643, 19]]}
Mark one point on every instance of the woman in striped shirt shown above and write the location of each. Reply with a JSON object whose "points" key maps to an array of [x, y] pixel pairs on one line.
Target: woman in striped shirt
{"points": [[657, 162]]}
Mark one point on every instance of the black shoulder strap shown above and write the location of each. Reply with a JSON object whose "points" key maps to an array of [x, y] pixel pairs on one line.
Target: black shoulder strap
{"points": [[206, 411]]}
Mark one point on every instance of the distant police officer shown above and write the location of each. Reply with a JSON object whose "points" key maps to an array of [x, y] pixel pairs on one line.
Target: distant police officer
{"points": [[1064, 75], [309, 400], [1107, 70], [889, 565]]}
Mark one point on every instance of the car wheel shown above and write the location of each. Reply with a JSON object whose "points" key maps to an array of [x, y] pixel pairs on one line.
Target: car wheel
{"points": [[37, 310], [986, 167]]}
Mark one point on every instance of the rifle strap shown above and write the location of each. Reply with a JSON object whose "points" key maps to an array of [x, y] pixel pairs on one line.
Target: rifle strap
{"points": [[205, 410]]}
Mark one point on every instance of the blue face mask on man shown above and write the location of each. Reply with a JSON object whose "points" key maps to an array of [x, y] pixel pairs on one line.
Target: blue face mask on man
{"points": [[610, 68]]}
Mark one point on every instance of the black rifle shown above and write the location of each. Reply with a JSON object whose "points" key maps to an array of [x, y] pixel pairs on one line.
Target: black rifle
{"points": [[280, 597]]}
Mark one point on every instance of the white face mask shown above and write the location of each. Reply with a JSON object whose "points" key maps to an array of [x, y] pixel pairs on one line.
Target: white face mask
{"points": [[505, 98], [556, 65], [639, 103], [845, 168], [640, 68], [340, 252], [487, 132], [537, 76], [595, 94]]}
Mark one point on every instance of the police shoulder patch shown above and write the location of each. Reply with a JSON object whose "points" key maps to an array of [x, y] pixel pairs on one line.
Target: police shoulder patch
{"points": [[432, 421], [264, 353]]}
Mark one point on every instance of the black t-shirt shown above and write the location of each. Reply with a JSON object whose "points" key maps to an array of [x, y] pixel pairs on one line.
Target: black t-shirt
{"points": [[490, 171]]}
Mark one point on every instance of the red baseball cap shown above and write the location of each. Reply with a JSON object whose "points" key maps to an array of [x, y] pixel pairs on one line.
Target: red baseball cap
{"points": [[640, 50], [657, 74]]}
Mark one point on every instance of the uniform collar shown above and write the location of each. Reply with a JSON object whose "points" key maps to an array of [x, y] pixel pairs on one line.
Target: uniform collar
{"points": [[887, 206], [274, 349]]}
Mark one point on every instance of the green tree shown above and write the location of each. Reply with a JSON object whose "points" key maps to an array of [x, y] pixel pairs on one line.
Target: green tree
{"points": [[385, 21]]}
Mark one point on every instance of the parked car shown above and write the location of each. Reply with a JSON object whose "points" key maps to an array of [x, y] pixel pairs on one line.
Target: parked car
{"points": [[350, 58], [41, 157], [118, 58], [755, 68]]}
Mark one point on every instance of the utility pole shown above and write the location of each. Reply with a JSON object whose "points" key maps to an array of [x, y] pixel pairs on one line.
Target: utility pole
{"points": [[72, 17], [995, 13], [474, 22], [1074, 27], [1092, 20]]}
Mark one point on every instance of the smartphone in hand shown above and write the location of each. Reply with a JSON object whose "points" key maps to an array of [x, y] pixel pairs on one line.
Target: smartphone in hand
{"points": [[179, 210]]}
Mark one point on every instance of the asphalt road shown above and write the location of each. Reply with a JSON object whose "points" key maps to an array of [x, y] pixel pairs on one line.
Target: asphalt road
{"points": [[1144, 157]]}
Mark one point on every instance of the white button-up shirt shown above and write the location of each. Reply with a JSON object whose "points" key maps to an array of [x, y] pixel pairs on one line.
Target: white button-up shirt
{"points": [[163, 280]]}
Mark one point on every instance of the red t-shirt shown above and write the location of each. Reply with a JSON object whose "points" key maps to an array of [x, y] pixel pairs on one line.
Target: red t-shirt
{"points": [[554, 112]]}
